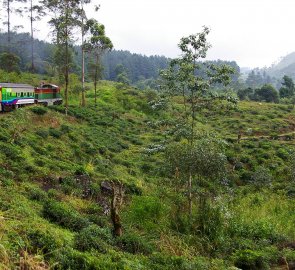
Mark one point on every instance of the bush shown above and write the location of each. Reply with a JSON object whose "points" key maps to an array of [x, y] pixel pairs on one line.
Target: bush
{"points": [[55, 133], [64, 216], [134, 244], [261, 177], [146, 211], [42, 240], [258, 230], [39, 110], [93, 237], [250, 260], [68, 258], [37, 194], [283, 154], [163, 262], [42, 133]]}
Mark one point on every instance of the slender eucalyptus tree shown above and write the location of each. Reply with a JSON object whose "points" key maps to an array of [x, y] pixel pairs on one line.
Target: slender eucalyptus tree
{"points": [[65, 19], [97, 44], [182, 77], [35, 11], [10, 9], [83, 32]]}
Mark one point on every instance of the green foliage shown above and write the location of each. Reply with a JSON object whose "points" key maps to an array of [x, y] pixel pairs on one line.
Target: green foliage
{"points": [[135, 244], [261, 177], [44, 241], [204, 159], [250, 260], [39, 110], [287, 90], [64, 215], [55, 133], [267, 93], [93, 237], [9, 62], [146, 211], [48, 210], [209, 220]]}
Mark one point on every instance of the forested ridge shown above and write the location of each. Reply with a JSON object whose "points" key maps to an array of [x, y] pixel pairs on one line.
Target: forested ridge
{"points": [[136, 66]]}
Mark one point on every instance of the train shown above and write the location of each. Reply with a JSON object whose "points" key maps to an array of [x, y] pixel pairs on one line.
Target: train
{"points": [[15, 95]]}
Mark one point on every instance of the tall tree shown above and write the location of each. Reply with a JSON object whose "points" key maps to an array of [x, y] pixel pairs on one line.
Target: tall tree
{"points": [[288, 87], [267, 93], [97, 44], [35, 12], [183, 77], [83, 32], [65, 19], [9, 9]]}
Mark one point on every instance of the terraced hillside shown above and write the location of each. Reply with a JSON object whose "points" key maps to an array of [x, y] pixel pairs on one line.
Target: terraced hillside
{"points": [[58, 175]]}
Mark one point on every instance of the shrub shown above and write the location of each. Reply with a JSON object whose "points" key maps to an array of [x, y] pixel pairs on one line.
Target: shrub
{"points": [[68, 258], [163, 262], [37, 194], [250, 260], [261, 177], [42, 240], [39, 110], [134, 244], [55, 133], [64, 216], [65, 128], [283, 153], [146, 211], [93, 237]]}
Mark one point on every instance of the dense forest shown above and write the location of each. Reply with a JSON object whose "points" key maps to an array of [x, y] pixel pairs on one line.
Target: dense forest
{"points": [[137, 68]]}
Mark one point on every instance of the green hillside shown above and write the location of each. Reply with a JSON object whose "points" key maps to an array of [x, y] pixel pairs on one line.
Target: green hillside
{"points": [[57, 173]]}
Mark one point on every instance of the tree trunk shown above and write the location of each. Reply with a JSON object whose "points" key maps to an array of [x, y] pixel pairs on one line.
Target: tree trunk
{"points": [[8, 24], [67, 60], [96, 79], [117, 200], [32, 39], [190, 197], [83, 60]]}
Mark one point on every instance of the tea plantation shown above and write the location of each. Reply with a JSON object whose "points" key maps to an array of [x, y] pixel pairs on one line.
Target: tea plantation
{"points": [[57, 172]]}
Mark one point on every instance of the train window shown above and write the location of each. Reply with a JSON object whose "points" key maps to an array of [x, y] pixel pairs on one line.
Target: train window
{"points": [[21, 94]]}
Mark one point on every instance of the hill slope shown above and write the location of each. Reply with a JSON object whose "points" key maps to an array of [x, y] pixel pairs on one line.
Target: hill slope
{"points": [[56, 170]]}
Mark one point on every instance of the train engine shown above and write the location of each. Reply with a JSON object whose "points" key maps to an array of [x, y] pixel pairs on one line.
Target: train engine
{"points": [[48, 94]]}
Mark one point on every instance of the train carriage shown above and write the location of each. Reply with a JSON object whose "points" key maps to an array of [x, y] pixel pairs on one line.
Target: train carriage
{"points": [[14, 95]]}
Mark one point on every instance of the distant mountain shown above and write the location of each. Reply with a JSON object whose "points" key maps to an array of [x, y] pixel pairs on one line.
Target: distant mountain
{"points": [[286, 66]]}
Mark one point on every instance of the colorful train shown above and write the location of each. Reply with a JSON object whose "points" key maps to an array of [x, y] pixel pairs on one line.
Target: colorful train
{"points": [[14, 95]]}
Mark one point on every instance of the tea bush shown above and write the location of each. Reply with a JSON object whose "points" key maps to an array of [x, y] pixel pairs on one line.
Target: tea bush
{"points": [[93, 237], [63, 215]]}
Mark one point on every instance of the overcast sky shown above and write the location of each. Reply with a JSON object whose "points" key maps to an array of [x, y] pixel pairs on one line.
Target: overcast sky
{"points": [[251, 32]]}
